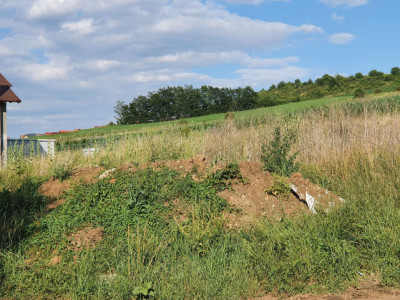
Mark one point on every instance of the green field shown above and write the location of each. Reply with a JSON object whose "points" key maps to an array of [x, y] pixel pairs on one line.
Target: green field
{"points": [[284, 108]]}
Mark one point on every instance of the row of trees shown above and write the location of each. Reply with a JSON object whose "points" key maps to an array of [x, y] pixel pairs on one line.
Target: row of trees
{"points": [[172, 103], [327, 85]]}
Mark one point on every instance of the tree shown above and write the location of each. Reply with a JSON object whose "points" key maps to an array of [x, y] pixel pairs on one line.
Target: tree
{"points": [[395, 71], [281, 85], [375, 73], [359, 75]]}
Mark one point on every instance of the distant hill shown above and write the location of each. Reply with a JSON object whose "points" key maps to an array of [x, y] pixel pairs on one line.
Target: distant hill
{"points": [[172, 103]]}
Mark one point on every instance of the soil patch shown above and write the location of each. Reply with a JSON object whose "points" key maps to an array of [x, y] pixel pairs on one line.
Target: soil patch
{"points": [[323, 199], [54, 188], [86, 238], [252, 201]]}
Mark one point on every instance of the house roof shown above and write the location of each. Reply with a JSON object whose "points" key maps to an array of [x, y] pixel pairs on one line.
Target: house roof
{"points": [[4, 81], [9, 96], [6, 94]]}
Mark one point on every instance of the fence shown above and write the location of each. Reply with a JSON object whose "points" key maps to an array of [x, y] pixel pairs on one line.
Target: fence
{"points": [[41, 147]]}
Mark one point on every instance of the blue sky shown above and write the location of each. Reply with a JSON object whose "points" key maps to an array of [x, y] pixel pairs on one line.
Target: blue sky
{"points": [[71, 60]]}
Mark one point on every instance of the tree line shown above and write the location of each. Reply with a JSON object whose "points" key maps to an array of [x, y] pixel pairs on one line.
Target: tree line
{"points": [[171, 103]]}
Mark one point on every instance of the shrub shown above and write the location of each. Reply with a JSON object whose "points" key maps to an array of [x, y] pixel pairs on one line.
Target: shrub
{"points": [[275, 156], [61, 169], [230, 115], [359, 93]]}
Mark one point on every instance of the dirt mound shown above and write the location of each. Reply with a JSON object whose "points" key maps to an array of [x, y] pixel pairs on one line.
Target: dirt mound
{"points": [[197, 165], [86, 238], [54, 188], [306, 190], [252, 200]]}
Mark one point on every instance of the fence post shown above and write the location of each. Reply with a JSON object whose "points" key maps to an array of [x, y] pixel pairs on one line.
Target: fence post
{"points": [[3, 134]]}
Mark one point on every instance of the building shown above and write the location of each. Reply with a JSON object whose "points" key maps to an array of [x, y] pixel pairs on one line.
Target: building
{"points": [[6, 95]]}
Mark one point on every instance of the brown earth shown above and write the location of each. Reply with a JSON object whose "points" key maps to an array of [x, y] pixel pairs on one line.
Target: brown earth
{"points": [[86, 238], [54, 188], [252, 201], [324, 199]]}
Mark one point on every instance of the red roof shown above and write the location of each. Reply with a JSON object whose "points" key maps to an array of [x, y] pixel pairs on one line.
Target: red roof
{"points": [[9, 96], [4, 81]]}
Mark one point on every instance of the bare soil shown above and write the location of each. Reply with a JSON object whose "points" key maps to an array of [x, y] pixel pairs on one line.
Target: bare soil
{"points": [[54, 188], [86, 238]]}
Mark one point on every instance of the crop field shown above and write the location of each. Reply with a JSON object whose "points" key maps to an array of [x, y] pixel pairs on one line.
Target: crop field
{"points": [[204, 209]]}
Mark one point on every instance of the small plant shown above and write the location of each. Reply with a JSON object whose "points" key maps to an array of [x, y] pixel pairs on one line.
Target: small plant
{"points": [[280, 187], [183, 122], [377, 91], [61, 170], [222, 179], [185, 131], [398, 89], [230, 115], [359, 93], [275, 155], [144, 292]]}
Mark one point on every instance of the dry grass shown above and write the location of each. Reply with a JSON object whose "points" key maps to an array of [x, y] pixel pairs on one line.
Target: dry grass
{"points": [[324, 139]]}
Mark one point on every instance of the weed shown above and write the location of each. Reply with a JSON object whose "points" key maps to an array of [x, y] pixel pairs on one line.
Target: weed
{"points": [[279, 188], [229, 115], [62, 169], [275, 156], [224, 178], [144, 292]]}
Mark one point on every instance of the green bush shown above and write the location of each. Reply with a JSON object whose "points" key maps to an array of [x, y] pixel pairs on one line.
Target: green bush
{"points": [[359, 93], [276, 155]]}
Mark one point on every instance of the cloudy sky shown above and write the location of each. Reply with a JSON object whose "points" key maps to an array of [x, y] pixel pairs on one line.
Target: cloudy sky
{"points": [[71, 60]]}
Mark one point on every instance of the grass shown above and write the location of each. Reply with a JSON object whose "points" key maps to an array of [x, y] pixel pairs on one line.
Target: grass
{"points": [[123, 129], [351, 149]]}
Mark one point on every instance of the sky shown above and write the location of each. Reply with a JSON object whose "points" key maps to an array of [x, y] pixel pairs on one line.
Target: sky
{"points": [[70, 61]]}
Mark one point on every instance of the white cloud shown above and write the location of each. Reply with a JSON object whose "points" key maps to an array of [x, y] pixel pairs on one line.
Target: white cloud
{"points": [[341, 38], [350, 3], [43, 8], [84, 26], [337, 18]]}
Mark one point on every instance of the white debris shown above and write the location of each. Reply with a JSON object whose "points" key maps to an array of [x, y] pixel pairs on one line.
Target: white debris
{"points": [[90, 151], [106, 173], [310, 200]]}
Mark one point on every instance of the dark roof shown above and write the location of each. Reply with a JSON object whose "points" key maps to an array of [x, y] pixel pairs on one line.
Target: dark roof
{"points": [[4, 81], [9, 96]]}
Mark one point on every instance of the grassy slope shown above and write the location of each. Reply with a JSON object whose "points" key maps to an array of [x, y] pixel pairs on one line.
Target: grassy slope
{"points": [[198, 120]]}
